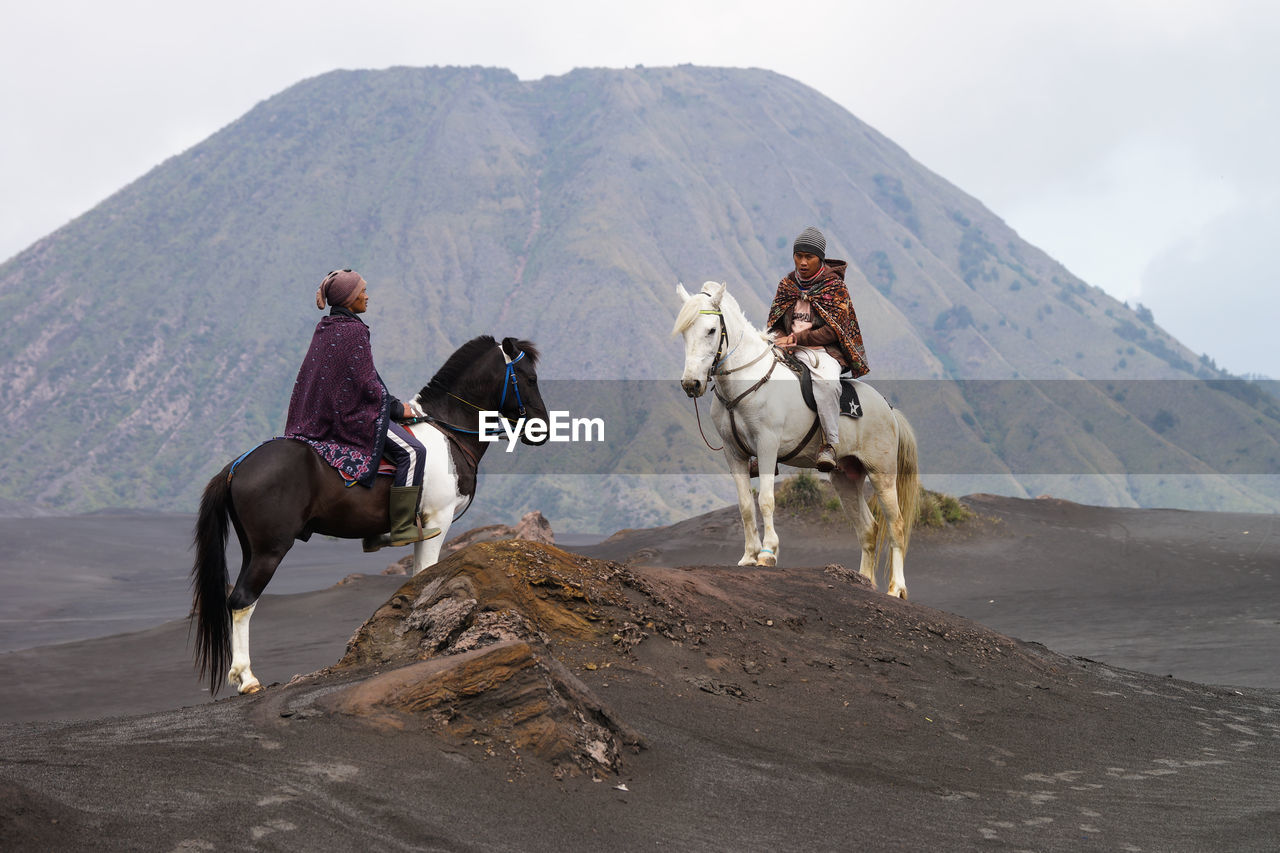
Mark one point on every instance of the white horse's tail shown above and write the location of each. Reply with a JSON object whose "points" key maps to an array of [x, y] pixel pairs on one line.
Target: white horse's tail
{"points": [[907, 487]]}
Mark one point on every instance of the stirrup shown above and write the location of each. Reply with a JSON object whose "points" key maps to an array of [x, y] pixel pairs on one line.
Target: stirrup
{"points": [[420, 534]]}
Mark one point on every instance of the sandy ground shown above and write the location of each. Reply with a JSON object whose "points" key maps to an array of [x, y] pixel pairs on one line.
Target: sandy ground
{"points": [[78, 577], [781, 708], [1195, 595]]}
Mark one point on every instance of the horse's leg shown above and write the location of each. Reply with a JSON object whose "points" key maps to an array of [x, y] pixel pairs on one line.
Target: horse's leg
{"points": [[271, 499], [440, 498], [768, 458], [258, 568], [848, 481], [887, 491], [241, 677], [739, 468], [427, 552]]}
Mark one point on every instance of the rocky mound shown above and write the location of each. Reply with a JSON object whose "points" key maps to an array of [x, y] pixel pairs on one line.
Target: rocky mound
{"points": [[472, 647]]}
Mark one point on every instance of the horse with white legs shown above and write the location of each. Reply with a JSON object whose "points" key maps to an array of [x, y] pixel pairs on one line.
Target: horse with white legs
{"points": [[758, 409], [283, 491]]}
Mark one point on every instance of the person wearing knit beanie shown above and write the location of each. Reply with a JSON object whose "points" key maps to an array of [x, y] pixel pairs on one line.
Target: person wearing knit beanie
{"points": [[343, 410], [810, 242], [812, 312]]}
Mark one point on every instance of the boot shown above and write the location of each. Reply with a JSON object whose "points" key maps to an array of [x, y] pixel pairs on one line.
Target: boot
{"points": [[826, 461], [406, 526]]}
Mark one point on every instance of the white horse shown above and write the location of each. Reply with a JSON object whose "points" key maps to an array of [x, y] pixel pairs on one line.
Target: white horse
{"points": [[759, 411]]}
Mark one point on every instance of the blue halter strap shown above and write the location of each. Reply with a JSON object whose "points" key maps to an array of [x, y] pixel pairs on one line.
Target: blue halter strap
{"points": [[510, 379]]}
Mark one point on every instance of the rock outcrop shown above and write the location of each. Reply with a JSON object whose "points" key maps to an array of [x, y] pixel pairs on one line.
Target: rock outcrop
{"points": [[532, 527], [471, 648]]}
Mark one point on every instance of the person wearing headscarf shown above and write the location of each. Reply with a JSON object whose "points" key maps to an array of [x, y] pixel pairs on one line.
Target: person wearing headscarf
{"points": [[341, 407], [813, 314]]}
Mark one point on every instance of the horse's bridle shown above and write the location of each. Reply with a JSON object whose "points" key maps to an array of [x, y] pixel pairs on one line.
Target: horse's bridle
{"points": [[509, 378], [730, 405], [724, 339], [721, 355]]}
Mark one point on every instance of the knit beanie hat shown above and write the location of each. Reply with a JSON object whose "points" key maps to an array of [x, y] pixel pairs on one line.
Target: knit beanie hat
{"points": [[339, 288], [811, 242]]}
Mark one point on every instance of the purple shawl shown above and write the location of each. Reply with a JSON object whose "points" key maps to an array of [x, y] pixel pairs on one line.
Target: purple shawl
{"points": [[340, 405]]}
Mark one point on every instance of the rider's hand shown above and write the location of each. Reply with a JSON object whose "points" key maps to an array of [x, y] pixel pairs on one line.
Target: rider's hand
{"points": [[785, 341]]}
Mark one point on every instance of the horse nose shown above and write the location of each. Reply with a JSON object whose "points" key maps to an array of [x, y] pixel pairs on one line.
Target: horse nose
{"points": [[692, 387]]}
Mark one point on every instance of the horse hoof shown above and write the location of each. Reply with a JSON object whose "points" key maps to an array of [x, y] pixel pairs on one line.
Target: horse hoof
{"points": [[252, 687], [748, 561], [766, 560]]}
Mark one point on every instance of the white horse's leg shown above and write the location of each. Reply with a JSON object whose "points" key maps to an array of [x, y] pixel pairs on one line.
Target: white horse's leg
{"points": [[887, 492], [767, 459], [427, 552], [740, 470], [853, 499], [440, 499], [240, 676]]}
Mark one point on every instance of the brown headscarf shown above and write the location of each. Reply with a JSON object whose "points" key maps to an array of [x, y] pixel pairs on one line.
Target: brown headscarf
{"points": [[339, 288]]}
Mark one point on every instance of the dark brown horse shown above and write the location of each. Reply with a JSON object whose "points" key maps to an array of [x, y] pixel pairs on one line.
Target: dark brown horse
{"points": [[283, 491]]}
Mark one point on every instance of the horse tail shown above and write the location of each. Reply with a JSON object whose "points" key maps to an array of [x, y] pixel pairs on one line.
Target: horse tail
{"points": [[209, 582], [908, 484]]}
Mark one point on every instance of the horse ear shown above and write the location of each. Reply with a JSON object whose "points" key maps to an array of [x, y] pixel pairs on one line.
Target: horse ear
{"points": [[715, 290], [682, 293], [509, 348]]}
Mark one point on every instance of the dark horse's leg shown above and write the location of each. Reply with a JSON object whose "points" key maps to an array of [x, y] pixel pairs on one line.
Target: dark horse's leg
{"points": [[280, 492], [271, 495], [287, 492]]}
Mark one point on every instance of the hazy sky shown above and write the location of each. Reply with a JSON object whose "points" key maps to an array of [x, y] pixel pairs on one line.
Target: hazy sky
{"points": [[1133, 141]]}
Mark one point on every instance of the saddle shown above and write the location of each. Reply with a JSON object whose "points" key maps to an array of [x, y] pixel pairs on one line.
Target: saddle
{"points": [[850, 407]]}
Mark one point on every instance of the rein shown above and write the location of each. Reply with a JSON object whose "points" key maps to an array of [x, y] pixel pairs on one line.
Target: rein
{"points": [[730, 405], [466, 451], [698, 415], [456, 443]]}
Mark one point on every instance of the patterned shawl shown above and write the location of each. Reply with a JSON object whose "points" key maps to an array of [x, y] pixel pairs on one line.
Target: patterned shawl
{"points": [[830, 298], [340, 405]]}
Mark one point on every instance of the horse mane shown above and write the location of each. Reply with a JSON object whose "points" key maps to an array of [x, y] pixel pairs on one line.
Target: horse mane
{"points": [[447, 377], [689, 312]]}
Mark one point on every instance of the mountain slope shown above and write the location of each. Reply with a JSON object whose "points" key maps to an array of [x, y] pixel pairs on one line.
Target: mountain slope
{"points": [[157, 336]]}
